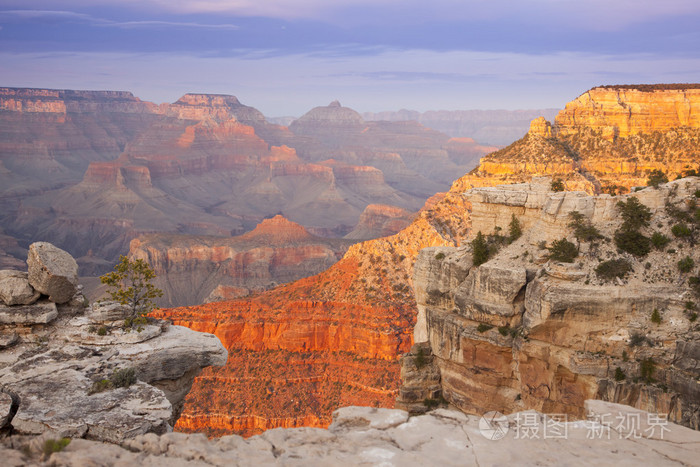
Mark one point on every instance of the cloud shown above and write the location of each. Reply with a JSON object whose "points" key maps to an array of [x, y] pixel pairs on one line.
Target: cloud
{"points": [[588, 14], [389, 79], [70, 16]]}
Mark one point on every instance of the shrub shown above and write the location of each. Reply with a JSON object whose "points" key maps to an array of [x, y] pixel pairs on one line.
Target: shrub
{"points": [[655, 317], [656, 178], [480, 249], [440, 256], [100, 386], [608, 270], [646, 370], [483, 327], [659, 240], [634, 214], [584, 230], [130, 284], [697, 193], [637, 339], [625, 357], [563, 250], [514, 229], [693, 317], [686, 264], [632, 242], [681, 230], [619, 374], [504, 330], [123, 378], [55, 445], [557, 185], [102, 331], [689, 305]]}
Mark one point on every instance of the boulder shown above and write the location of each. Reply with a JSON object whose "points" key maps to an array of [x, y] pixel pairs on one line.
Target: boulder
{"points": [[52, 271], [5, 409], [15, 288]]}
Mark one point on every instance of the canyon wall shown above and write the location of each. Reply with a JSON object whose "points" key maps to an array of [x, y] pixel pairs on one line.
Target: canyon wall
{"points": [[522, 331], [195, 269], [378, 275]]}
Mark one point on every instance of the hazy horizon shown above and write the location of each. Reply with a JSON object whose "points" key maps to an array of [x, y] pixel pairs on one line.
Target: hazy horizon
{"points": [[287, 56]]}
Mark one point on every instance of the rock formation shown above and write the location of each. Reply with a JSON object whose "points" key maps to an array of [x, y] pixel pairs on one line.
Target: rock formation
{"points": [[73, 369], [93, 170], [189, 269], [370, 436], [607, 140], [377, 275], [524, 332]]}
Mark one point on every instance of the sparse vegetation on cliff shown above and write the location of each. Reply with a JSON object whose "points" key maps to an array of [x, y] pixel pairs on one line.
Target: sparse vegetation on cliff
{"points": [[628, 237], [608, 270], [480, 249], [656, 178], [563, 251], [130, 284]]}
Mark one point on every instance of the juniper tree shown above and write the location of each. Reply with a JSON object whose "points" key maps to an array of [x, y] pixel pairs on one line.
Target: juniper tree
{"points": [[130, 285]]}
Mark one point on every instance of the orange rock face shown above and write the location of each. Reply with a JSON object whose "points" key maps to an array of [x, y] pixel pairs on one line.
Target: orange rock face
{"points": [[622, 111], [301, 350]]}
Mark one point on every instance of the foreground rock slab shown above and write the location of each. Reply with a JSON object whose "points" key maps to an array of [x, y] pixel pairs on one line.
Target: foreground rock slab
{"points": [[369, 436]]}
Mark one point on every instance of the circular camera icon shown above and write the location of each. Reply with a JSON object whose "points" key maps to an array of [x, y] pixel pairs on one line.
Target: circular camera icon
{"points": [[493, 425]]}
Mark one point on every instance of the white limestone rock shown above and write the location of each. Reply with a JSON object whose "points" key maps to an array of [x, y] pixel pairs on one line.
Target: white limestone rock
{"points": [[15, 288], [52, 271]]}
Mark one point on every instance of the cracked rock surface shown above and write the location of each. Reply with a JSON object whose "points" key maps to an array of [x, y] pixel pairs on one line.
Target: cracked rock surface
{"points": [[387, 437]]}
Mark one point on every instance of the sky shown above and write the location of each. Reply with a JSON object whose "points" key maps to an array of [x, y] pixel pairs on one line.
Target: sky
{"points": [[286, 56]]}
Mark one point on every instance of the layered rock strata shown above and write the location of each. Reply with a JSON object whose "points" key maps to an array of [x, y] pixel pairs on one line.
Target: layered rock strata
{"points": [[524, 332], [73, 369], [607, 140], [367, 436], [195, 269]]}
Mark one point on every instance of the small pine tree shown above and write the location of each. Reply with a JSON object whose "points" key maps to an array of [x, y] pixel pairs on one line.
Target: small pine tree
{"points": [[130, 285], [563, 251], [656, 178], [557, 185], [480, 249], [514, 229], [655, 317], [634, 214]]}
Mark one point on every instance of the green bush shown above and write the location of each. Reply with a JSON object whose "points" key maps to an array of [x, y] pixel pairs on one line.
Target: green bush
{"points": [[514, 229], [102, 331], [646, 370], [557, 185], [681, 230], [619, 374], [563, 251], [655, 317], [608, 270], [55, 445], [480, 249], [637, 339], [504, 330], [686, 264], [100, 386], [656, 178], [634, 214], [440, 256], [659, 240], [483, 327], [633, 242], [584, 230], [123, 378]]}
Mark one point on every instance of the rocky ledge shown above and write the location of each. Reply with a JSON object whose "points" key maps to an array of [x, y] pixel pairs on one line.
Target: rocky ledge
{"points": [[72, 369], [370, 436]]}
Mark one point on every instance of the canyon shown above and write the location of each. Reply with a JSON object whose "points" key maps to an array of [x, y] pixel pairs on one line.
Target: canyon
{"points": [[93, 170], [370, 293]]}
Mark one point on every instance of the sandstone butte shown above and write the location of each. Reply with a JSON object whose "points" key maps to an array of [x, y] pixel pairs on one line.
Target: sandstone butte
{"points": [[303, 349]]}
